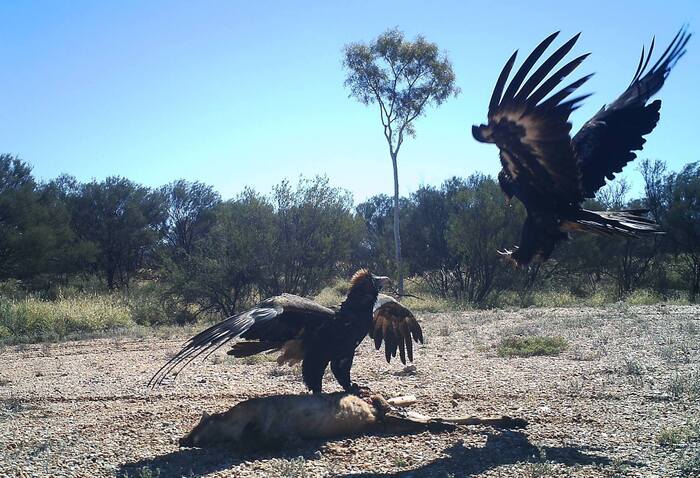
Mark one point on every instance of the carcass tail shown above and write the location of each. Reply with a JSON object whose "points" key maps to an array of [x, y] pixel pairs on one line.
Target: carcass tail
{"points": [[628, 223]]}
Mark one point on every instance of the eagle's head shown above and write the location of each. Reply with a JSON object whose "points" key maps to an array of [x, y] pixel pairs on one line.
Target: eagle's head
{"points": [[364, 279], [365, 286], [482, 133]]}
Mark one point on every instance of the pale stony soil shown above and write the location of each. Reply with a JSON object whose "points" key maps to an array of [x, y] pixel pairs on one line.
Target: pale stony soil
{"points": [[82, 409]]}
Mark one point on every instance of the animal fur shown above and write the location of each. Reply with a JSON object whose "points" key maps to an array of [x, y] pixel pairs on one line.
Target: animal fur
{"points": [[266, 422], [281, 418]]}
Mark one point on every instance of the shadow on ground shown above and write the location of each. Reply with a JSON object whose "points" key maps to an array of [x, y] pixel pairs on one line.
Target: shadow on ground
{"points": [[501, 448], [506, 448], [197, 461]]}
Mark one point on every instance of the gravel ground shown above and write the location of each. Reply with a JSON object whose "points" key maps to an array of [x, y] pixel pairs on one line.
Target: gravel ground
{"points": [[629, 376]]}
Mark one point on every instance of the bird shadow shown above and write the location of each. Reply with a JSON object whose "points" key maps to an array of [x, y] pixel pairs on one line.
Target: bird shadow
{"points": [[195, 462], [502, 448]]}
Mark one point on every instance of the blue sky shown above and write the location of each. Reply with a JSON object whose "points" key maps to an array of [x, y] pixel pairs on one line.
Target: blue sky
{"points": [[239, 94]]}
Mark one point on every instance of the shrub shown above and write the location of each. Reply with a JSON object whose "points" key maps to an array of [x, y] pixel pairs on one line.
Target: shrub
{"points": [[685, 384], [643, 297], [677, 435], [531, 346]]}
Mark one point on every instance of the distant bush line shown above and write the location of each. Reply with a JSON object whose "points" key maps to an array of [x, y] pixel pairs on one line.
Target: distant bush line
{"points": [[187, 253]]}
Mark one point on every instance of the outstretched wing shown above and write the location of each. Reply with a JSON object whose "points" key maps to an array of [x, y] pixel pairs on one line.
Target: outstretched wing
{"points": [[272, 321], [396, 325], [605, 144], [532, 132]]}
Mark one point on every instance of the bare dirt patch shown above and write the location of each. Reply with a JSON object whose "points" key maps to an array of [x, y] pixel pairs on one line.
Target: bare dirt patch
{"points": [[623, 399]]}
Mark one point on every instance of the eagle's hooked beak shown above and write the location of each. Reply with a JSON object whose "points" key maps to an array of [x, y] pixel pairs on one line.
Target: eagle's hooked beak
{"points": [[482, 133], [381, 281]]}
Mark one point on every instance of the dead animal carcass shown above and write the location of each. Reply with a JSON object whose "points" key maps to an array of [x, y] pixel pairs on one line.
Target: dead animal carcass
{"points": [[265, 422]]}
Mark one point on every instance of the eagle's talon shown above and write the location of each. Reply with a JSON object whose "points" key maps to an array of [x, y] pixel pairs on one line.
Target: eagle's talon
{"points": [[361, 391]]}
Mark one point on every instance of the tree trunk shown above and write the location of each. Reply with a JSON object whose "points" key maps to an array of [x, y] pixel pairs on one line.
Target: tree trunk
{"points": [[397, 225]]}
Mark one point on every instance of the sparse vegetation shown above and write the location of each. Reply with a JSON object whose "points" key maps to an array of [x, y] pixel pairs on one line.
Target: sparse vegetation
{"points": [[258, 358], [676, 353], [633, 367], [671, 436], [540, 470], [294, 468], [572, 400], [286, 371], [685, 384], [531, 346], [10, 407], [691, 463], [145, 472]]}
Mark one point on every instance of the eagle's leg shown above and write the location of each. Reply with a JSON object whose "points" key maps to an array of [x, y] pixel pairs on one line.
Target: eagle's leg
{"points": [[341, 371], [312, 370]]}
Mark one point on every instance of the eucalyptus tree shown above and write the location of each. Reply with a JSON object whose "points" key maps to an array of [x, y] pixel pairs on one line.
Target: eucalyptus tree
{"points": [[403, 78]]}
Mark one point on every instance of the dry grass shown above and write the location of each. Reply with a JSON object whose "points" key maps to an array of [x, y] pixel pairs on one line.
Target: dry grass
{"points": [[671, 436], [34, 320], [685, 384]]}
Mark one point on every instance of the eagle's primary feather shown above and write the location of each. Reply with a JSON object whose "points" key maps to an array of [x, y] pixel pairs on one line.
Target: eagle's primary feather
{"points": [[305, 331], [551, 173]]}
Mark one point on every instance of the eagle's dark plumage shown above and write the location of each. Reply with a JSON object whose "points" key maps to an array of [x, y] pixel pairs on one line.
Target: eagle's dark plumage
{"points": [[307, 332], [552, 173]]}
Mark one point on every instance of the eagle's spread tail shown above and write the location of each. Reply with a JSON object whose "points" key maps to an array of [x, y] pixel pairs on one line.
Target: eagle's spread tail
{"points": [[628, 223], [542, 232]]}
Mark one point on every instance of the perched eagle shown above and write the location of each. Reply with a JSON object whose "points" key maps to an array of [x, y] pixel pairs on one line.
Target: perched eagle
{"points": [[552, 173], [307, 332]]}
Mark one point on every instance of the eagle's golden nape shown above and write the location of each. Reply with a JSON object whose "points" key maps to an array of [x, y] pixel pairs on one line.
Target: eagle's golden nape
{"points": [[552, 173]]}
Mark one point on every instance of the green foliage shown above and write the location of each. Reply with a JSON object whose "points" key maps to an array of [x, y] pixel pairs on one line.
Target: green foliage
{"points": [[145, 472], [36, 238], [531, 346], [376, 250], [314, 231], [401, 76], [294, 468], [643, 297], [479, 226], [124, 220], [190, 214], [257, 246], [178, 253], [333, 294], [227, 265]]}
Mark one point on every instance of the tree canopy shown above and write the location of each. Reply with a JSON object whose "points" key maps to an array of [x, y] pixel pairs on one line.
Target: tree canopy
{"points": [[403, 77]]}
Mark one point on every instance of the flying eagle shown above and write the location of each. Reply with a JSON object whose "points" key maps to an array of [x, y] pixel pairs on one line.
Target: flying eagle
{"points": [[552, 173], [307, 332]]}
